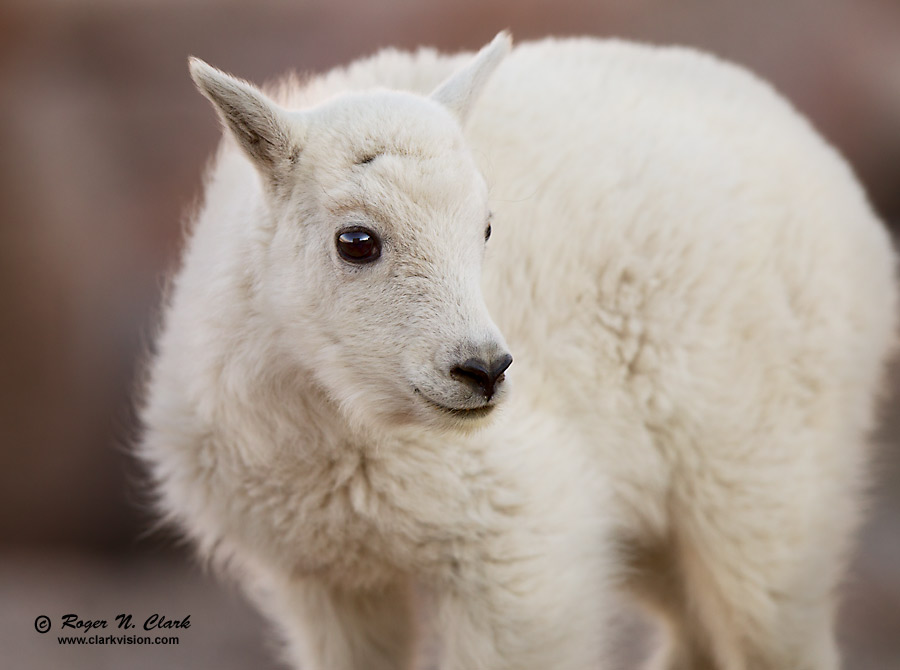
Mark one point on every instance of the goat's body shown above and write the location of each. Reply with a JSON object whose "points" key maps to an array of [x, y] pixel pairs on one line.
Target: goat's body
{"points": [[699, 301], [710, 300]]}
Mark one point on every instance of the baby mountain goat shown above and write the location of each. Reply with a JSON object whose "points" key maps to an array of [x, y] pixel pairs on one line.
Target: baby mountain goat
{"points": [[699, 301]]}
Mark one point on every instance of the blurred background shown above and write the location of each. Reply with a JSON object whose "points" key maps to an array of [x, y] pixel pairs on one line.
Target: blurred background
{"points": [[102, 144]]}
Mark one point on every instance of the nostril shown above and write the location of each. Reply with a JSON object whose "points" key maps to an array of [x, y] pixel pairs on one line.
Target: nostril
{"points": [[476, 372], [500, 366], [473, 370]]}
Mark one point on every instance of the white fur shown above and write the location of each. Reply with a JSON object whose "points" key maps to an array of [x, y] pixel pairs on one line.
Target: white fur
{"points": [[699, 301]]}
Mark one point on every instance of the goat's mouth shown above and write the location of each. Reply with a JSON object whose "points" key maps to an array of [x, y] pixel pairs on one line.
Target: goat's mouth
{"points": [[463, 412]]}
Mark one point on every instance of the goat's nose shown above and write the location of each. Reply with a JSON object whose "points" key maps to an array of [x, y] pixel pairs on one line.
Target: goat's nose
{"points": [[481, 374]]}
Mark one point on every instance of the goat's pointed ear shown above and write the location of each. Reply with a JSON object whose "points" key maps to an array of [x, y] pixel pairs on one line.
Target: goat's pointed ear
{"points": [[461, 90], [260, 126]]}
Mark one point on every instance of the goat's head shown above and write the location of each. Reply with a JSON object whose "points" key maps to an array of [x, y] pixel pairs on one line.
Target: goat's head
{"points": [[376, 217]]}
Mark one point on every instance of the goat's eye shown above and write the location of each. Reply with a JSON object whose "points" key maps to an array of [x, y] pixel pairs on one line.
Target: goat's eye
{"points": [[358, 245], [487, 233]]}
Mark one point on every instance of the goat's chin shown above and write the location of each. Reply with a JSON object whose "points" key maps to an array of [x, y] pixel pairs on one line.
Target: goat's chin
{"points": [[416, 410], [437, 414], [463, 425]]}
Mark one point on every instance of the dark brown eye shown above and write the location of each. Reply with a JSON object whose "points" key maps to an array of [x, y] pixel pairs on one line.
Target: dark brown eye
{"points": [[487, 233], [358, 245]]}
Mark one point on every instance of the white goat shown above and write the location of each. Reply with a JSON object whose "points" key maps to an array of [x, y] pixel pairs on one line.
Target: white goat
{"points": [[699, 300]]}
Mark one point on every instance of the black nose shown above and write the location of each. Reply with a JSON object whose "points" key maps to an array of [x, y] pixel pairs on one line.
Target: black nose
{"points": [[482, 375]]}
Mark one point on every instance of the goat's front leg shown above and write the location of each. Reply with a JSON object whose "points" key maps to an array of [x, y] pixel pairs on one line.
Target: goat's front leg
{"points": [[527, 609], [331, 629]]}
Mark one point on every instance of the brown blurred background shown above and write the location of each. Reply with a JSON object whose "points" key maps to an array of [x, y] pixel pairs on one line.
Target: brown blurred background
{"points": [[102, 143]]}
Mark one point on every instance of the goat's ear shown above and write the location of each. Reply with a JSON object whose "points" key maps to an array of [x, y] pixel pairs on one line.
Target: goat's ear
{"points": [[260, 126], [461, 90]]}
